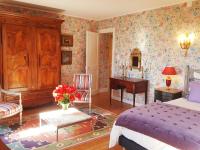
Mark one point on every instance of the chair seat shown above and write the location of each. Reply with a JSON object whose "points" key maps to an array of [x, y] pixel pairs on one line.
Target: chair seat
{"points": [[9, 109]]}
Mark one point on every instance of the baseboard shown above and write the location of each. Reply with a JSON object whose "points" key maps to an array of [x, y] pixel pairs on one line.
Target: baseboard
{"points": [[95, 92], [125, 100], [102, 90]]}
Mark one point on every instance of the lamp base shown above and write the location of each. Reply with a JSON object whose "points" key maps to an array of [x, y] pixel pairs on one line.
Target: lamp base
{"points": [[168, 82], [168, 88]]}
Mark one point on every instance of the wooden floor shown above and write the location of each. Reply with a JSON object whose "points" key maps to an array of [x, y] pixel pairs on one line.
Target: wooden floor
{"points": [[100, 100]]}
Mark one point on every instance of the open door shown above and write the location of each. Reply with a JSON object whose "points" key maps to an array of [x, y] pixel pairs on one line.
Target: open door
{"points": [[92, 63]]}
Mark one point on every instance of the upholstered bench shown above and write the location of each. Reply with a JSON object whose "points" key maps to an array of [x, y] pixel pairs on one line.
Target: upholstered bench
{"points": [[8, 109]]}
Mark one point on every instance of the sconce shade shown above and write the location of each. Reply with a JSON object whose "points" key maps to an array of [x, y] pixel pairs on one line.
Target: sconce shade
{"points": [[185, 41], [185, 44], [169, 71]]}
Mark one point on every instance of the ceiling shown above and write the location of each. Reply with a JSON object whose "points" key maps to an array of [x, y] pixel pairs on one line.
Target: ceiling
{"points": [[99, 9]]}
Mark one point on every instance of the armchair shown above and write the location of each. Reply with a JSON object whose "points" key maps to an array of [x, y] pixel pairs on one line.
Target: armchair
{"points": [[8, 109], [83, 83]]}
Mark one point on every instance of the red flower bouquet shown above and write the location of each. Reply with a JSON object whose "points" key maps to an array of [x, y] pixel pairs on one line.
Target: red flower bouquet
{"points": [[65, 94]]}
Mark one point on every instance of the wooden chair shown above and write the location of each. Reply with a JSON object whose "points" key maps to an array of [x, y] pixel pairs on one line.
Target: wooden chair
{"points": [[83, 83], [8, 109]]}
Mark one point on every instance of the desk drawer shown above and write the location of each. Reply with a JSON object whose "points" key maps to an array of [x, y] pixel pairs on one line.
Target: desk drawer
{"points": [[119, 84], [113, 84]]}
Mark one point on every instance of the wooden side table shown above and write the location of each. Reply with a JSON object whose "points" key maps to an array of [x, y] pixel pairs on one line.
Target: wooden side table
{"points": [[165, 95]]}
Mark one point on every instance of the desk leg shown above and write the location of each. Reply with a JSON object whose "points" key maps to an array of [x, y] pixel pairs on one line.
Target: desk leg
{"points": [[146, 97], [133, 99], [57, 134], [122, 95]]}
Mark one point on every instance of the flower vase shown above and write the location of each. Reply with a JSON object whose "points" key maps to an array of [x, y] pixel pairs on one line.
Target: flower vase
{"points": [[65, 106]]}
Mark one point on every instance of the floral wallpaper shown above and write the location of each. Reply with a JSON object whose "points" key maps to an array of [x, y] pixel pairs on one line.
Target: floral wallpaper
{"points": [[77, 27], [155, 33]]}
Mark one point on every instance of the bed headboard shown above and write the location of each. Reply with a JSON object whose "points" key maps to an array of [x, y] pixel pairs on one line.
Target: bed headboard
{"points": [[189, 76]]}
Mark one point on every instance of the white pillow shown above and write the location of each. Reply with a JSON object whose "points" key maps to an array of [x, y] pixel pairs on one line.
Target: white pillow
{"points": [[197, 75]]}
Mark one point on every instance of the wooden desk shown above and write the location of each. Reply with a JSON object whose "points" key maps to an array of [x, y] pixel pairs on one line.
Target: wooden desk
{"points": [[132, 85]]}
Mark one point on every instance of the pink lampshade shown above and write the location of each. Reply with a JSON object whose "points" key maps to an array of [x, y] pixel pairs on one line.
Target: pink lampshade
{"points": [[169, 71]]}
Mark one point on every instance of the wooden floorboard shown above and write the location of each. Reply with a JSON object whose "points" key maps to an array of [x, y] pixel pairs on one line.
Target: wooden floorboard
{"points": [[100, 100]]}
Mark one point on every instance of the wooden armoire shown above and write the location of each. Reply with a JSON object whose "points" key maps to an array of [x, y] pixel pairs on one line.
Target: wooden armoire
{"points": [[30, 56]]}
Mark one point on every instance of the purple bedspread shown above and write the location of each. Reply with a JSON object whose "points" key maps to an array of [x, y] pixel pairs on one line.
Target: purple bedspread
{"points": [[176, 126]]}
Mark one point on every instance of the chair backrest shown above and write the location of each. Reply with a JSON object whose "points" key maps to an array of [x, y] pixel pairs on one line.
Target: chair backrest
{"points": [[1, 94], [10, 93], [83, 81]]}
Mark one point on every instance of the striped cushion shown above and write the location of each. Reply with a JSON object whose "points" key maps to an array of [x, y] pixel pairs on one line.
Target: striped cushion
{"points": [[7, 109], [82, 81]]}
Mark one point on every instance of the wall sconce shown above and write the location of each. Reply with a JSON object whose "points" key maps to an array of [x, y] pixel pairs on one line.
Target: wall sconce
{"points": [[185, 41]]}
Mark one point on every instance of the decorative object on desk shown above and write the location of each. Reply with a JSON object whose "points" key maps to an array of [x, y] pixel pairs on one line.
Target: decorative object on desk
{"points": [[136, 57], [66, 57], [185, 41], [67, 40], [124, 67], [142, 69], [168, 71], [65, 95]]}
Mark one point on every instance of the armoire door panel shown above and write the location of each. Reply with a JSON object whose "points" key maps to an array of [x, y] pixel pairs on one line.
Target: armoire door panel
{"points": [[48, 46], [17, 47], [1, 58]]}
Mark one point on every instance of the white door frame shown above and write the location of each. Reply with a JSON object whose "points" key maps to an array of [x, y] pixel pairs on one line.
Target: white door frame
{"points": [[110, 30]]}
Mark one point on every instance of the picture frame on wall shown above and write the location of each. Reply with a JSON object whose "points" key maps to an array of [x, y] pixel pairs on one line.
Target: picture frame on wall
{"points": [[66, 57], [67, 40]]}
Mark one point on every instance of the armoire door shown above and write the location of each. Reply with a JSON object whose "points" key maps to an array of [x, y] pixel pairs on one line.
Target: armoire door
{"points": [[48, 46], [17, 46]]}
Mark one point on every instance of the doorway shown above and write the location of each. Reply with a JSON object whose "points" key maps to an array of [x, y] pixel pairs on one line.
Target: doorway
{"points": [[99, 58], [105, 60]]}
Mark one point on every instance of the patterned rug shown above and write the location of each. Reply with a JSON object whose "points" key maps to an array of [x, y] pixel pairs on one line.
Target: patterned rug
{"points": [[31, 136]]}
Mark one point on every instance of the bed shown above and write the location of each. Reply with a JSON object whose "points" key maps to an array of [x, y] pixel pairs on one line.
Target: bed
{"points": [[133, 140]]}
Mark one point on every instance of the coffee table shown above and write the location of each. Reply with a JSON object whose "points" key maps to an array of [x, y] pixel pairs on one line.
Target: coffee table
{"points": [[64, 118]]}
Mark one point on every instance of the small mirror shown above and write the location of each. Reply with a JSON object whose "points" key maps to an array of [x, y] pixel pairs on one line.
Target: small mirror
{"points": [[136, 59]]}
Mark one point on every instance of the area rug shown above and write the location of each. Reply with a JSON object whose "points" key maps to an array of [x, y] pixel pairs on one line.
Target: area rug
{"points": [[31, 136]]}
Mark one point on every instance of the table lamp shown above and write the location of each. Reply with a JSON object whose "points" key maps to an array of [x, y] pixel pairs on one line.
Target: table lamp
{"points": [[168, 71]]}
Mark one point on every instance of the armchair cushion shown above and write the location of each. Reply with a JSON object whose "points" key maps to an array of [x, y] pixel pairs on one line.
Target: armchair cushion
{"points": [[9, 109]]}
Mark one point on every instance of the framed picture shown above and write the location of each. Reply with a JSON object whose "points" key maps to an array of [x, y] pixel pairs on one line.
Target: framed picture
{"points": [[67, 40], [66, 57]]}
